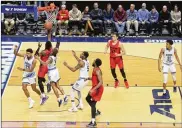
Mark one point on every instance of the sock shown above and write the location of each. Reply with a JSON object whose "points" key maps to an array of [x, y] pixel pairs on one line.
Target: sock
{"points": [[43, 95], [73, 103], [29, 99], [64, 95], [59, 99], [81, 101], [164, 91], [93, 120]]}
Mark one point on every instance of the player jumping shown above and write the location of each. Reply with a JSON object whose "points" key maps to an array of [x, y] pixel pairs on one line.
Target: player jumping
{"points": [[29, 75], [53, 75], [116, 52], [168, 54], [83, 65]]}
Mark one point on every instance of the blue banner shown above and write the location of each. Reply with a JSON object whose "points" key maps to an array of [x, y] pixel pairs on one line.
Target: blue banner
{"points": [[20, 9]]}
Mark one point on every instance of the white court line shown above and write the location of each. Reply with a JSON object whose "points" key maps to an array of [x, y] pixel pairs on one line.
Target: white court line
{"points": [[59, 115]]}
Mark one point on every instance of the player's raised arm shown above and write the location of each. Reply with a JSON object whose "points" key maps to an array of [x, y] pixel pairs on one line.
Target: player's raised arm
{"points": [[73, 69], [159, 59], [106, 48], [29, 69], [16, 52], [76, 57], [37, 51], [177, 58]]}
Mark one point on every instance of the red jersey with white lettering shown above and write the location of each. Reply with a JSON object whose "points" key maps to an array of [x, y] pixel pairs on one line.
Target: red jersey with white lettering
{"points": [[114, 48], [97, 94]]}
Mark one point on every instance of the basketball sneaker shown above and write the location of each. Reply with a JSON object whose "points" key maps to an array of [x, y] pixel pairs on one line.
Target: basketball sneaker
{"points": [[91, 125], [116, 83], [65, 100], [97, 113], [126, 84], [174, 89], [44, 99], [73, 109], [80, 106], [59, 103], [31, 103]]}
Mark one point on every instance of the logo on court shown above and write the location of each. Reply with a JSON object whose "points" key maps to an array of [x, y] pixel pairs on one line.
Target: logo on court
{"points": [[163, 108], [7, 59]]}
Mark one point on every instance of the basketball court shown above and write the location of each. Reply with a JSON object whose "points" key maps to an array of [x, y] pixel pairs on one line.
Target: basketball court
{"points": [[142, 105]]}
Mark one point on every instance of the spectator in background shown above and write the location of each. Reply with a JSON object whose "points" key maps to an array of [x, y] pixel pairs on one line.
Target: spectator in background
{"points": [[97, 17], [164, 19], [143, 16], [21, 19], [120, 18], [108, 16], [153, 19], [132, 17], [74, 18], [63, 17], [176, 19], [86, 18], [9, 21]]}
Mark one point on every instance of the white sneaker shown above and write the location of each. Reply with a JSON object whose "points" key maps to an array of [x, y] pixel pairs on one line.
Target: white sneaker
{"points": [[73, 109], [31, 103], [80, 106]]}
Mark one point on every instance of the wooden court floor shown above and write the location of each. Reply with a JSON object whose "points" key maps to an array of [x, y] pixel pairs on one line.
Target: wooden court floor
{"points": [[117, 105]]}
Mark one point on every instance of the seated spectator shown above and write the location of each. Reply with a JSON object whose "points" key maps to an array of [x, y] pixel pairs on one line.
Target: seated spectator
{"points": [[9, 21], [21, 19], [120, 19], [2, 24], [63, 17], [74, 19], [132, 17], [176, 19], [97, 17], [108, 16], [143, 16], [153, 19], [86, 18], [164, 19]]}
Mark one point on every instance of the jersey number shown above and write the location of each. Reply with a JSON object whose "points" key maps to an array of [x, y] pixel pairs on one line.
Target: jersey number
{"points": [[87, 68], [169, 59]]}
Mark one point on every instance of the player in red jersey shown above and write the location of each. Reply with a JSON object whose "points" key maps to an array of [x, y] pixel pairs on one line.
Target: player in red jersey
{"points": [[44, 55], [96, 91], [116, 52]]}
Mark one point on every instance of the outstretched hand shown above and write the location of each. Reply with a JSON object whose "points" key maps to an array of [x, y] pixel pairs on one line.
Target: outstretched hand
{"points": [[74, 53], [15, 47], [39, 45], [65, 63]]}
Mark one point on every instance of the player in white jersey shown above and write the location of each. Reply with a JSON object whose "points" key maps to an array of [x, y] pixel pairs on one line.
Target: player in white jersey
{"points": [[29, 76], [168, 54], [53, 75], [83, 65]]}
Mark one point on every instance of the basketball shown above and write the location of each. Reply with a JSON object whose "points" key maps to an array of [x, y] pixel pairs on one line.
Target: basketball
{"points": [[48, 25]]}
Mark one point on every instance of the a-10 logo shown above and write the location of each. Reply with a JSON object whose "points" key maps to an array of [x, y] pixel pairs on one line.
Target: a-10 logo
{"points": [[162, 109]]}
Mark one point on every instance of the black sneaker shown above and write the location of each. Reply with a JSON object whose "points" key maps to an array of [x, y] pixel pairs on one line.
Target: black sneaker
{"points": [[91, 125], [59, 103], [174, 89], [97, 113]]}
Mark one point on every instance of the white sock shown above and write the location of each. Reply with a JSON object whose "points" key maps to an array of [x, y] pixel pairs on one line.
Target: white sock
{"points": [[29, 99], [93, 120], [43, 95], [73, 104], [164, 91], [64, 95], [59, 99]]}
